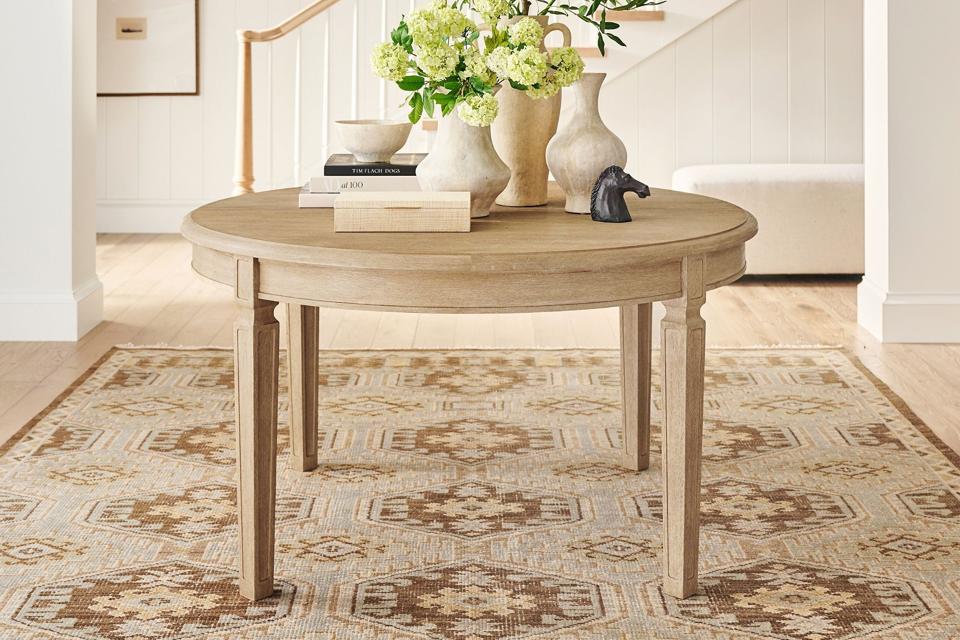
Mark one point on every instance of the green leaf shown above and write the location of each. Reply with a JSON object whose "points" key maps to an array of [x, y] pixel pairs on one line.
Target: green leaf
{"points": [[451, 85], [428, 102], [601, 45], [616, 39], [518, 86], [610, 26], [410, 83], [479, 85], [448, 107], [416, 108]]}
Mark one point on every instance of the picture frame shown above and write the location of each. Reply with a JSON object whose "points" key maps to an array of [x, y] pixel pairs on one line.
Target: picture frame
{"points": [[148, 48]]}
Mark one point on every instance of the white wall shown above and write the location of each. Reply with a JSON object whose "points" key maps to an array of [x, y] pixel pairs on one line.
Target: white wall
{"points": [[911, 289], [48, 285], [763, 81]]}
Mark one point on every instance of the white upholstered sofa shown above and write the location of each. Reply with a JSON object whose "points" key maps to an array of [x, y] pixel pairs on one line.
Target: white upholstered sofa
{"points": [[810, 215]]}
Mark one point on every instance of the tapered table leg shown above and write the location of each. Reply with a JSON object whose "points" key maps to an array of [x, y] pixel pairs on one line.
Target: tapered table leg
{"points": [[303, 335], [635, 337], [257, 354], [682, 347]]}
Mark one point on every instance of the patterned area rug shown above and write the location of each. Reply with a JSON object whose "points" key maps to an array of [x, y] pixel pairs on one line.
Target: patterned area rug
{"points": [[474, 495]]}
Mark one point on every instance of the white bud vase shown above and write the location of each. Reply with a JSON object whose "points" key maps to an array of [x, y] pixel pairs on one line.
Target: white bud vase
{"points": [[584, 147], [463, 159]]}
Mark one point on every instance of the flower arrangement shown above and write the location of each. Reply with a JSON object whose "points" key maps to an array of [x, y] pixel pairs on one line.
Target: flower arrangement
{"points": [[437, 54]]}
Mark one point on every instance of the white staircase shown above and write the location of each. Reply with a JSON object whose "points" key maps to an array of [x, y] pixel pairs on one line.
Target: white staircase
{"points": [[643, 37]]}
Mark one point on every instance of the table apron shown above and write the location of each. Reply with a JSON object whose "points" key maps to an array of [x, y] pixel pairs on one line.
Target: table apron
{"points": [[471, 291]]}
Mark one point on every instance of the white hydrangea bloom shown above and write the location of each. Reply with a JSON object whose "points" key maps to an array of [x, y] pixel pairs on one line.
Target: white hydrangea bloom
{"points": [[497, 61], [389, 61], [438, 61], [527, 66], [436, 22], [479, 111], [526, 32], [476, 66]]}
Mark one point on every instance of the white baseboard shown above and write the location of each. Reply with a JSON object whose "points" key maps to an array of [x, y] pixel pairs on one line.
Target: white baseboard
{"points": [[908, 317], [143, 216], [51, 317]]}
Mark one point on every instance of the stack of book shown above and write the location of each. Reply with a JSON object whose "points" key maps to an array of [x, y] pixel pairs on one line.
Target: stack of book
{"points": [[343, 173]]}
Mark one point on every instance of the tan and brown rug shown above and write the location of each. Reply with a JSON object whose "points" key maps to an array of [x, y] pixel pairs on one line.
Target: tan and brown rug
{"points": [[473, 495]]}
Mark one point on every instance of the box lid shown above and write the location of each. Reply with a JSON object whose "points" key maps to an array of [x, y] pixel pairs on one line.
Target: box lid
{"points": [[403, 200]]}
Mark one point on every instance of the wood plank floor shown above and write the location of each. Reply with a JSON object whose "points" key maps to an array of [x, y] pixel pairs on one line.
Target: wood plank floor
{"points": [[152, 297]]}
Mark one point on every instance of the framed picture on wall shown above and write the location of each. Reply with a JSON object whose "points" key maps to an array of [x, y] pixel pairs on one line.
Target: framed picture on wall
{"points": [[148, 47]]}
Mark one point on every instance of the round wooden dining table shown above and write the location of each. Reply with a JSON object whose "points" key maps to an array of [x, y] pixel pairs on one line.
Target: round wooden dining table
{"points": [[269, 251]]}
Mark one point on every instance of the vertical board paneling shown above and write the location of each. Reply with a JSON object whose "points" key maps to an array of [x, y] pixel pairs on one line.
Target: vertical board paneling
{"points": [[844, 86], [656, 153], [368, 35], [101, 148], [806, 71], [154, 146], [341, 78], [769, 124], [186, 149], [615, 94], [122, 146], [219, 54], [695, 96], [313, 93], [282, 76], [731, 84]]}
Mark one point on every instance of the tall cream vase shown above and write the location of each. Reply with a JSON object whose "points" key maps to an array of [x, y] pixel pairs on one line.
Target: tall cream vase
{"points": [[585, 146], [463, 159], [521, 132]]}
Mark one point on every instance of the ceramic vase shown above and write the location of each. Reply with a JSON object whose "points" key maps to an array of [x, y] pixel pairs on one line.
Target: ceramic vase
{"points": [[463, 159], [521, 132], [585, 146]]}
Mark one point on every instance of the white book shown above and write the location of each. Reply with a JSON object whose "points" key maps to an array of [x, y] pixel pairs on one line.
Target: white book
{"points": [[338, 184], [316, 200]]}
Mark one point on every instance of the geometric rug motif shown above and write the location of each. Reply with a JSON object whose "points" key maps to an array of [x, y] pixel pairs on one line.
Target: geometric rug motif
{"points": [[758, 510], [478, 495]]}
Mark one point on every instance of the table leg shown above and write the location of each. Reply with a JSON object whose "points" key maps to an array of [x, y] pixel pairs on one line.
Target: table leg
{"points": [[636, 323], [303, 335], [682, 347], [257, 355]]}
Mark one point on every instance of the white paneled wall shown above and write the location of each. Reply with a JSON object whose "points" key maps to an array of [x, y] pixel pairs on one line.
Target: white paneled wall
{"points": [[763, 81]]}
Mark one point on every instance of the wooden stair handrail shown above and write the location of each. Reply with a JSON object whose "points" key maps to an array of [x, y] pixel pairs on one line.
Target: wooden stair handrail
{"points": [[243, 161]]}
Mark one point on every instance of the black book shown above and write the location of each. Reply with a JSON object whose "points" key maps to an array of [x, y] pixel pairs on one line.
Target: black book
{"points": [[344, 164]]}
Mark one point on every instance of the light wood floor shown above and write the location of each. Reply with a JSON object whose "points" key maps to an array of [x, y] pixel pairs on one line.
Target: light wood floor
{"points": [[152, 297]]}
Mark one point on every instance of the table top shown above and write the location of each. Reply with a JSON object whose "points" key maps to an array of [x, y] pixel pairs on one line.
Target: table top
{"points": [[509, 261], [269, 225]]}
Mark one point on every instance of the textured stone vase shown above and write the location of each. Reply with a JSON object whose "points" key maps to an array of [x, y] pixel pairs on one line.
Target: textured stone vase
{"points": [[521, 132], [463, 159], [585, 146]]}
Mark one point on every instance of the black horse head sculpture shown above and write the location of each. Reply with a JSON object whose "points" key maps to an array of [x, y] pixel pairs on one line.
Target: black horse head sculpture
{"points": [[606, 201]]}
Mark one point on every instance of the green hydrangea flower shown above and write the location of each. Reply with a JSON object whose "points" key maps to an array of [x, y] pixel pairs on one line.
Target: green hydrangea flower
{"points": [[546, 89], [527, 66], [438, 61], [491, 10], [476, 66], [526, 32], [389, 61], [436, 22], [479, 111], [568, 66]]}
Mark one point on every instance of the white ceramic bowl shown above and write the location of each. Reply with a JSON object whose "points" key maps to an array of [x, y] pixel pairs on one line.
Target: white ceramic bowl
{"points": [[373, 140]]}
